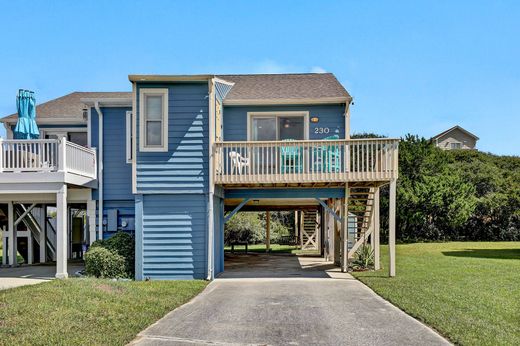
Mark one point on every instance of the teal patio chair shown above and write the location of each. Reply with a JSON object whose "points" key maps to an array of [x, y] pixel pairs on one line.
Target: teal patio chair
{"points": [[327, 157], [290, 158]]}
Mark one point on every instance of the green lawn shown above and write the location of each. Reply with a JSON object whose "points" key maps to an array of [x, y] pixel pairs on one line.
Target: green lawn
{"points": [[274, 248], [469, 292], [87, 311]]}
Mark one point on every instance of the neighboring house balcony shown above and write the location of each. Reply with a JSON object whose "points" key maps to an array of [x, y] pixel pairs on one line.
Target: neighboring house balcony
{"points": [[47, 161], [305, 162]]}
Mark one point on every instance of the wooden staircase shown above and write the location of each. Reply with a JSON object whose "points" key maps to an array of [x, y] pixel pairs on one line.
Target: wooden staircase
{"points": [[310, 231], [360, 211]]}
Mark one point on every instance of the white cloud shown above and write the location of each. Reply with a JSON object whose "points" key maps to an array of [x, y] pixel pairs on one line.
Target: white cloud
{"points": [[318, 69]]}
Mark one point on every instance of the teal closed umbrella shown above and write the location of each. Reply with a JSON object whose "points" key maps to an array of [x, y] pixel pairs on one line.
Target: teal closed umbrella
{"points": [[26, 127]]}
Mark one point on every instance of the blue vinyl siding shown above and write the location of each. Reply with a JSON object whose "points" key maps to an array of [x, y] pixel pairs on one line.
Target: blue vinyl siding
{"points": [[330, 116], [184, 169], [117, 174], [118, 200], [174, 237]]}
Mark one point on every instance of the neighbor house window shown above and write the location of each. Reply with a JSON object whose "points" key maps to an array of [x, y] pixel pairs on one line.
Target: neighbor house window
{"points": [[456, 145], [153, 119]]}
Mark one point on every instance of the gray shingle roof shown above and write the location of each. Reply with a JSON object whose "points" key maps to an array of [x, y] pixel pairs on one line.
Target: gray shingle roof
{"points": [[68, 106], [296, 87], [455, 128]]}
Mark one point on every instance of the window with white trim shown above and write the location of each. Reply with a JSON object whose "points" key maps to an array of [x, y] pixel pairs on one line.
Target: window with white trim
{"points": [[153, 119], [129, 137], [456, 145]]}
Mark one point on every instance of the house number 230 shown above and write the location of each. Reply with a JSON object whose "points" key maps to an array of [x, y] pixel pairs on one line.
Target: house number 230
{"points": [[321, 130]]}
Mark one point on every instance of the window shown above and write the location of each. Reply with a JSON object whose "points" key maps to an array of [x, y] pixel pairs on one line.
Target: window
{"points": [[153, 119], [78, 138], [456, 145], [129, 137], [278, 126]]}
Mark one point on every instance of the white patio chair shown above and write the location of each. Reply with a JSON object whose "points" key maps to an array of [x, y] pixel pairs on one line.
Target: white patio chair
{"points": [[238, 162]]}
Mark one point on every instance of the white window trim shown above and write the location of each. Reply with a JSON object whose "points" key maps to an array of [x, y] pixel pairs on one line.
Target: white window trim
{"points": [[129, 136], [142, 133], [305, 115]]}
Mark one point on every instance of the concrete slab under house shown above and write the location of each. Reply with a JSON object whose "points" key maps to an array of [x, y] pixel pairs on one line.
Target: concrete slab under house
{"points": [[172, 160]]}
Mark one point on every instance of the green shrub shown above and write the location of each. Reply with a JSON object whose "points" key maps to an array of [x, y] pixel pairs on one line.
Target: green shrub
{"points": [[122, 244], [364, 258], [103, 263]]}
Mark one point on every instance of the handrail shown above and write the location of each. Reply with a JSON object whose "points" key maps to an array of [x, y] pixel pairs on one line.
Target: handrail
{"points": [[305, 161], [47, 155]]}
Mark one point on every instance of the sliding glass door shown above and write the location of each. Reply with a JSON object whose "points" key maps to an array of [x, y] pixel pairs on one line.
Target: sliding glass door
{"points": [[277, 127]]}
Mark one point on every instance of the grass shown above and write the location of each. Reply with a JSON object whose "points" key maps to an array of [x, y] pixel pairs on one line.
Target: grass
{"points": [[468, 291], [274, 248], [87, 311]]}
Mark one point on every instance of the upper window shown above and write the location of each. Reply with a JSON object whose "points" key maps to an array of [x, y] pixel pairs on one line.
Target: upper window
{"points": [[266, 126], [153, 119], [129, 137], [456, 145]]}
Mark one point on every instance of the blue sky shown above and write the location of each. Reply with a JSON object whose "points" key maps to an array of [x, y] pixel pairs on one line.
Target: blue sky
{"points": [[412, 67]]}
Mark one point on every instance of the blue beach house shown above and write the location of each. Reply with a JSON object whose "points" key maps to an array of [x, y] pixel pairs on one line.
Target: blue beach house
{"points": [[172, 160]]}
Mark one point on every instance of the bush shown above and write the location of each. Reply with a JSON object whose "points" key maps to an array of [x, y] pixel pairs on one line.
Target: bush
{"points": [[122, 244], [244, 227], [103, 263]]}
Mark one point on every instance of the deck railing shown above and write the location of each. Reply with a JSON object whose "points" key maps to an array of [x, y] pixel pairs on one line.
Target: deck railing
{"points": [[308, 161], [47, 155]]}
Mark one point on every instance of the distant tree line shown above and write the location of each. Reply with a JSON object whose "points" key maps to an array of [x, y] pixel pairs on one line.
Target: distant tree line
{"points": [[454, 195]]}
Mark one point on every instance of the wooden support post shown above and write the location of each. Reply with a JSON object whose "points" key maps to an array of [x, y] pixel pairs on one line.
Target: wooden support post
{"points": [[30, 251], [344, 226], [375, 234], [12, 244], [61, 233], [337, 238], [267, 231], [43, 234], [330, 230], [391, 229]]}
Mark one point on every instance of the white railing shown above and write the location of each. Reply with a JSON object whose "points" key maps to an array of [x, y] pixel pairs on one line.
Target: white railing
{"points": [[272, 162], [80, 160], [46, 155]]}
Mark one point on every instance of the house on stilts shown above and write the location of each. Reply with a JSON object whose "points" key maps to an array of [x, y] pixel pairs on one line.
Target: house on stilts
{"points": [[172, 160]]}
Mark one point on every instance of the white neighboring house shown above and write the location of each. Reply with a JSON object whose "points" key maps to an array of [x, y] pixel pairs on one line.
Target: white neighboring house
{"points": [[455, 138]]}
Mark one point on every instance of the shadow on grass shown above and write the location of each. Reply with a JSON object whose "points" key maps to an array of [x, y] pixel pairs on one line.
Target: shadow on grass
{"points": [[486, 253]]}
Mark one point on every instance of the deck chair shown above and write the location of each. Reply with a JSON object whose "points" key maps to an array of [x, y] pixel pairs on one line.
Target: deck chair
{"points": [[238, 162], [327, 157], [290, 158]]}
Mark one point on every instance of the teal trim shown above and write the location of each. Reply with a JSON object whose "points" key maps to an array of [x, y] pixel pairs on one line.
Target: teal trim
{"points": [[230, 215], [139, 237], [286, 193], [326, 207]]}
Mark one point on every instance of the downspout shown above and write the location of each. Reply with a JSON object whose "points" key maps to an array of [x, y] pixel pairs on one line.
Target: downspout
{"points": [[211, 122], [100, 170]]}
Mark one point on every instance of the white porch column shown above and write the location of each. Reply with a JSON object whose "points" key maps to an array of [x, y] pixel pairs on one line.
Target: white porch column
{"points": [[43, 234], [61, 233], [391, 229], [375, 234], [91, 214], [12, 234]]}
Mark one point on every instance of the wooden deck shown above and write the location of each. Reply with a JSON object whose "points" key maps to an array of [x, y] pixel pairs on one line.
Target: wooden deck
{"points": [[305, 163]]}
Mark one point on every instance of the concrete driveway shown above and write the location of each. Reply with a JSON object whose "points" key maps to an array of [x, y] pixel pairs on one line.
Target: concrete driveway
{"points": [[31, 274], [306, 304]]}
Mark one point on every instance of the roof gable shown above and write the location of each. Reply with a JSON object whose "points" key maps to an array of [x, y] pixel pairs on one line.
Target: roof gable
{"points": [[285, 88], [456, 127], [68, 107]]}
